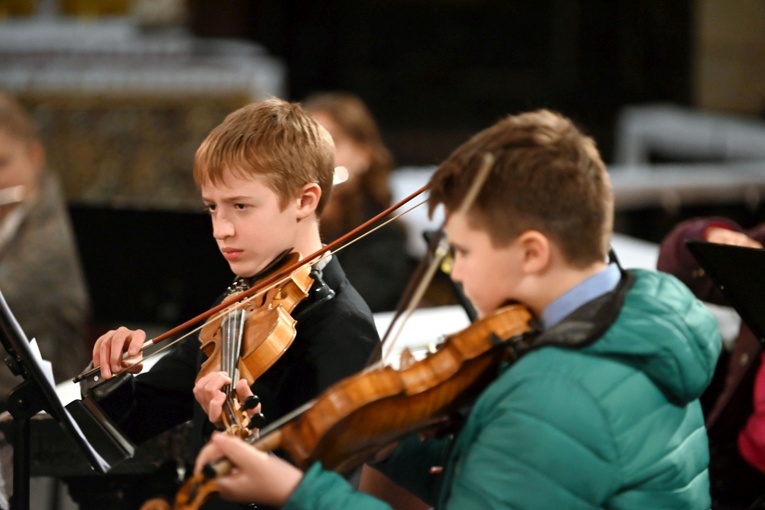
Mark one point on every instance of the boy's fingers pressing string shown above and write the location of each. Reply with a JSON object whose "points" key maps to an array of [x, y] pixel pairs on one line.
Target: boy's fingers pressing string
{"points": [[231, 448], [209, 453]]}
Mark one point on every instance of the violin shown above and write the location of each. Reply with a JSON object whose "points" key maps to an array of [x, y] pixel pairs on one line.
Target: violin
{"points": [[247, 340], [350, 421]]}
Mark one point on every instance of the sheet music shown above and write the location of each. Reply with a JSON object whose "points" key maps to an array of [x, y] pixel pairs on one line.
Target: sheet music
{"points": [[46, 367], [39, 371], [103, 466]]}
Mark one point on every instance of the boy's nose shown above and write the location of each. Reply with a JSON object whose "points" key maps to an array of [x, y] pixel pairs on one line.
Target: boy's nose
{"points": [[222, 228], [455, 271]]}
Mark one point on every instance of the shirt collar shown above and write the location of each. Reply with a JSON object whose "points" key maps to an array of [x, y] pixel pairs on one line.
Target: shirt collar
{"points": [[595, 286]]}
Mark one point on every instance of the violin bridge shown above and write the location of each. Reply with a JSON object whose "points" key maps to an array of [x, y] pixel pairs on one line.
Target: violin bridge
{"points": [[406, 358]]}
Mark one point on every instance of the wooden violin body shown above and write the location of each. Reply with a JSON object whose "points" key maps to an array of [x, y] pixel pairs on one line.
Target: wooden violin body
{"points": [[269, 328], [358, 416], [250, 336]]}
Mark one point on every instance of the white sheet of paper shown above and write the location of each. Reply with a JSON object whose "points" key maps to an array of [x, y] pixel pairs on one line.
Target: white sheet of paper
{"points": [[45, 365]]}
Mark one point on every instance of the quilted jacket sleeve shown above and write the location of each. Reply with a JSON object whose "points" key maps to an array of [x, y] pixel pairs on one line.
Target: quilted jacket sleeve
{"points": [[326, 490], [409, 466], [519, 454]]}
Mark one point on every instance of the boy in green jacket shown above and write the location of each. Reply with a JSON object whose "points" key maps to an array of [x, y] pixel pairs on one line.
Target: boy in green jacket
{"points": [[601, 410]]}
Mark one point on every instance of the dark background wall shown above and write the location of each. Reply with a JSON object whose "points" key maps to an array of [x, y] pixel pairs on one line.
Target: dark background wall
{"points": [[435, 71]]}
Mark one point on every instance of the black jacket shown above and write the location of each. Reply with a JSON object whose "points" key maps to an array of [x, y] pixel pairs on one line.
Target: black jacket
{"points": [[334, 339]]}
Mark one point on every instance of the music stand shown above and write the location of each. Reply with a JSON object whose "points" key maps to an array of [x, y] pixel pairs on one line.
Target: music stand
{"points": [[37, 393], [739, 272]]}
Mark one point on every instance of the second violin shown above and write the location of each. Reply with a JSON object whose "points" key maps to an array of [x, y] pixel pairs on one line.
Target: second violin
{"points": [[353, 419]]}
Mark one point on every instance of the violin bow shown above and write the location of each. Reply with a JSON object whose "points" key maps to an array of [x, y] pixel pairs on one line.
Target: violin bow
{"points": [[266, 284], [438, 248]]}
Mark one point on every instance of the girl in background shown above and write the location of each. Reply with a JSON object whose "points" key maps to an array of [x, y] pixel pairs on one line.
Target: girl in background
{"points": [[378, 265]]}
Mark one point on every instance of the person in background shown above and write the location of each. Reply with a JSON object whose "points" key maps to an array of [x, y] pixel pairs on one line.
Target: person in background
{"points": [[600, 411], [41, 277], [734, 404], [40, 271], [378, 265]]}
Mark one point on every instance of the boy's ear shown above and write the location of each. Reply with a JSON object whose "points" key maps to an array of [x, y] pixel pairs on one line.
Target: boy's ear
{"points": [[308, 199], [536, 251]]}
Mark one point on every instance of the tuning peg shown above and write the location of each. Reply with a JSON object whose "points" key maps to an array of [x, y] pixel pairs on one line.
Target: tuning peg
{"points": [[251, 402], [257, 421]]}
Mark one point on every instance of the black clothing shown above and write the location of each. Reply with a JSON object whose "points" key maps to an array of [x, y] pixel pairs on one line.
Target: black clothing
{"points": [[333, 340], [335, 336], [379, 267]]}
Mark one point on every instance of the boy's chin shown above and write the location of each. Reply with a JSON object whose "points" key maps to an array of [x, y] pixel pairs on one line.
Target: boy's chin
{"points": [[245, 271], [241, 270]]}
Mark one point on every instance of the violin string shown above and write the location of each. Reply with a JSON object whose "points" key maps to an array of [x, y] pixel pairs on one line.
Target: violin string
{"points": [[231, 346], [225, 344], [226, 327], [232, 328], [241, 320]]}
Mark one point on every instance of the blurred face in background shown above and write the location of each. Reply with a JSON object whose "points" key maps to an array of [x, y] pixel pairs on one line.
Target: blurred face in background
{"points": [[21, 161], [349, 153], [356, 158]]}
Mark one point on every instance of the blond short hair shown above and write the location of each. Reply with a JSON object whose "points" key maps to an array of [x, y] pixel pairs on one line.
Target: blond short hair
{"points": [[275, 139]]}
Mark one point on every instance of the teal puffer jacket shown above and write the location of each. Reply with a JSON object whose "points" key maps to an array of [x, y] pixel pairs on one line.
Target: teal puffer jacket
{"points": [[615, 423]]}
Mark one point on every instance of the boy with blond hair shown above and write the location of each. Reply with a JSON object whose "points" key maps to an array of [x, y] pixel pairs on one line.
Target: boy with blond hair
{"points": [[265, 174]]}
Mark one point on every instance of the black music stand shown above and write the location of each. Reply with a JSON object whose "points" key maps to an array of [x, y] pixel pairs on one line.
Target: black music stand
{"points": [[739, 272], [37, 393]]}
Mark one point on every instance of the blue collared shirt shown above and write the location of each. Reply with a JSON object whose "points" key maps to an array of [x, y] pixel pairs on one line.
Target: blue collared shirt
{"points": [[591, 288]]}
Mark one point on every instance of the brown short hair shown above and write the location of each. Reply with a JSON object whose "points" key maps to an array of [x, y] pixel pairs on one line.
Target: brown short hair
{"points": [[273, 138], [547, 176]]}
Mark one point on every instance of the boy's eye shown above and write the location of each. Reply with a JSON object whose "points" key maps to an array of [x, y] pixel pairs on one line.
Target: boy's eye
{"points": [[209, 208], [240, 207]]}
